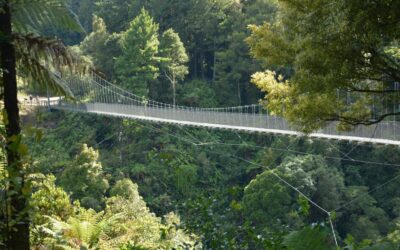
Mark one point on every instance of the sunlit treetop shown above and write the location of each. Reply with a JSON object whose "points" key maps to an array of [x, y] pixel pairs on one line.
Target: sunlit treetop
{"points": [[339, 60]]}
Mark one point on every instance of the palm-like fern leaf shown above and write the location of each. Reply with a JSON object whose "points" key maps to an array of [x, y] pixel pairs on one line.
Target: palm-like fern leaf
{"points": [[32, 15], [39, 58], [84, 229]]}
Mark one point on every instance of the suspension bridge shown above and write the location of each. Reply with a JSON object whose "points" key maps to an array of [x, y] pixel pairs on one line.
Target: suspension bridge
{"points": [[94, 94]]}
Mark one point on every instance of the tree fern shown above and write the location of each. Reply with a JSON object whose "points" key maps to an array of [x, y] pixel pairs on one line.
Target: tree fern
{"points": [[39, 57], [84, 229], [31, 57]]}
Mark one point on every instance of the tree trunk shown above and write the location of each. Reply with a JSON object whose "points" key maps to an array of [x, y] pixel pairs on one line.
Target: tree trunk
{"points": [[215, 62], [239, 93], [18, 234], [195, 64], [202, 68], [174, 89]]}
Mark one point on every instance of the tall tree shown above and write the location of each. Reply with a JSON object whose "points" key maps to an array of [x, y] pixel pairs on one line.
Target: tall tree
{"points": [[266, 196], [232, 70], [174, 57], [137, 67], [336, 49], [233, 62], [118, 13], [199, 25], [13, 129], [84, 179], [29, 53], [102, 47]]}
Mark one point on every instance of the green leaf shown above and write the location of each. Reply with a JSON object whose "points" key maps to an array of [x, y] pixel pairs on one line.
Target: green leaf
{"points": [[39, 135], [31, 15], [23, 149], [15, 142], [307, 239], [26, 190]]}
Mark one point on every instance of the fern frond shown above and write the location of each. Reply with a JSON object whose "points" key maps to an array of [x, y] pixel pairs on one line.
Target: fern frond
{"points": [[105, 226], [39, 59], [53, 50], [32, 15], [41, 75]]}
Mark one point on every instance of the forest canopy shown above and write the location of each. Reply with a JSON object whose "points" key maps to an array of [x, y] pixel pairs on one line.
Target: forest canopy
{"points": [[330, 60], [72, 180]]}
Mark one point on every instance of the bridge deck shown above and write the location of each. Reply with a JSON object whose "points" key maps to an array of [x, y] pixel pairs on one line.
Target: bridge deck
{"points": [[382, 133]]}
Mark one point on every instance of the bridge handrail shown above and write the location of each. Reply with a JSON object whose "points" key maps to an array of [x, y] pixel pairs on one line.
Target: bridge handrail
{"points": [[161, 104]]}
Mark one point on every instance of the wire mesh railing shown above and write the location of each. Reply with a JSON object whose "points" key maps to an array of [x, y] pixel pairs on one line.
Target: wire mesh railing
{"points": [[96, 95]]}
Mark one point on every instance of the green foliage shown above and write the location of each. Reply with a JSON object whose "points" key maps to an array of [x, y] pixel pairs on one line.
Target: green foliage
{"points": [[205, 28], [137, 67], [117, 14], [232, 70], [33, 53], [205, 184], [138, 227], [268, 197], [49, 200], [84, 10], [59, 147], [81, 231], [197, 93], [395, 235], [308, 239], [174, 57], [126, 220], [233, 63], [329, 45], [102, 47], [84, 178], [228, 203], [363, 219], [214, 41], [185, 177], [31, 16], [366, 244], [27, 56], [125, 188]]}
